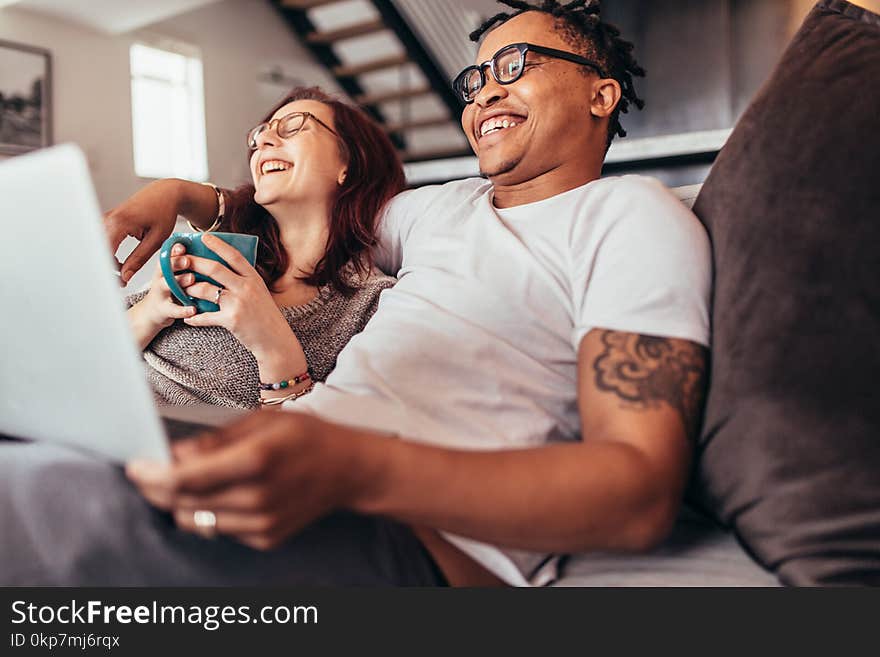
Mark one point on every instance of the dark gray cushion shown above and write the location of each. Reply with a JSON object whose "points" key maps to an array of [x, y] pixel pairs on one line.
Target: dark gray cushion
{"points": [[790, 453]]}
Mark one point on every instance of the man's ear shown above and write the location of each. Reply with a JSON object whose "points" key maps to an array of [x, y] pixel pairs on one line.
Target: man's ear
{"points": [[606, 96]]}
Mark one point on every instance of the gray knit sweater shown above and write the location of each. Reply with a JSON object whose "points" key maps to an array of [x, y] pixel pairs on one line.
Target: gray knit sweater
{"points": [[208, 365]]}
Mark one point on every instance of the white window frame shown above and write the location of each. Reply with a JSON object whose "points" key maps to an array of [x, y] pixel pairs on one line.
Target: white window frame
{"points": [[169, 137]]}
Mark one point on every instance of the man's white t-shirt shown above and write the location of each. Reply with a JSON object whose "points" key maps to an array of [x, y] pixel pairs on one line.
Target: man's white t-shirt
{"points": [[476, 346]]}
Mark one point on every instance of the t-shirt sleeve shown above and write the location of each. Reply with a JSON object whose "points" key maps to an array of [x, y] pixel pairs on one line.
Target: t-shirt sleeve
{"points": [[645, 267], [393, 227]]}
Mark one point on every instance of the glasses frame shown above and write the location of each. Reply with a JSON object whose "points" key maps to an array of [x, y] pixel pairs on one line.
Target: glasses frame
{"points": [[274, 123], [523, 48]]}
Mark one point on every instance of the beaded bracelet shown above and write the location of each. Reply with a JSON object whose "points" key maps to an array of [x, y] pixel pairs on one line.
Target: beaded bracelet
{"points": [[290, 397], [281, 385]]}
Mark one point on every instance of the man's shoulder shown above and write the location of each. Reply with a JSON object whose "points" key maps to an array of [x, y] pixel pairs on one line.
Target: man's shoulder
{"points": [[640, 200], [634, 187], [632, 209]]}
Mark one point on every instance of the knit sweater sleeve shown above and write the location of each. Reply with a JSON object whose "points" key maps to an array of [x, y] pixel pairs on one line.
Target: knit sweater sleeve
{"points": [[132, 299]]}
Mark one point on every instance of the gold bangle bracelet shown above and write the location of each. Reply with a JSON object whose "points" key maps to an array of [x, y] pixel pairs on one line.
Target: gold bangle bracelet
{"points": [[280, 400], [221, 211]]}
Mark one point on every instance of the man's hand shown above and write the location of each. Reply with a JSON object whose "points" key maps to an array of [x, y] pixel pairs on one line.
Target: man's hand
{"points": [[264, 478], [149, 216]]}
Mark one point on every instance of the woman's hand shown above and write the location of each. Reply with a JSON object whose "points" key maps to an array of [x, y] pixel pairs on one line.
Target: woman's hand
{"points": [[264, 478], [158, 309], [247, 309]]}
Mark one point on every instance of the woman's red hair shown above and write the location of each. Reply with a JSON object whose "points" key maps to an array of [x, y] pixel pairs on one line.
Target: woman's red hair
{"points": [[375, 175]]}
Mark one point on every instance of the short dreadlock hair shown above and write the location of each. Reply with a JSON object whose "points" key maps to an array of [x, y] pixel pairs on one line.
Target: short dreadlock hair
{"points": [[582, 26]]}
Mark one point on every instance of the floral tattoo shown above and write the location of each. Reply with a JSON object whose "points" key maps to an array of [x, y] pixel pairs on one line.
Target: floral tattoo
{"points": [[648, 371]]}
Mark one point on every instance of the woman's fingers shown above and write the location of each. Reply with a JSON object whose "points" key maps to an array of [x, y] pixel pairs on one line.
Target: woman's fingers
{"points": [[207, 292], [184, 280], [178, 263], [214, 270], [204, 319], [202, 290], [176, 311]]}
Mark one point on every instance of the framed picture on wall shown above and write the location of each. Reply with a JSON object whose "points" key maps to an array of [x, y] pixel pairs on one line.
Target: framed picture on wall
{"points": [[25, 98]]}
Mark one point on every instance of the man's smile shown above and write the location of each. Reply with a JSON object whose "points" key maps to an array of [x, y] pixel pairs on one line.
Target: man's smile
{"points": [[492, 125]]}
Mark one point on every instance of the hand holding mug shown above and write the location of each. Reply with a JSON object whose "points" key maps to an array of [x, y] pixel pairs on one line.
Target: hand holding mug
{"points": [[158, 309], [244, 246], [158, 306], [227, 280]]}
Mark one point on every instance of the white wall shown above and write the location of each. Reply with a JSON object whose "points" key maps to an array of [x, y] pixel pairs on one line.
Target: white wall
{"points": [[91, 92]]}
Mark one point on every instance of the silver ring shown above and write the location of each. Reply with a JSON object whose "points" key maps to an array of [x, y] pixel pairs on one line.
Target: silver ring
{"points": [[217, 296], [205, 522]]}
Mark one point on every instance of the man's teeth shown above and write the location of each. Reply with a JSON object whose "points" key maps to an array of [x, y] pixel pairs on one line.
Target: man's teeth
{"points": [[274, 165], [496, 124]]}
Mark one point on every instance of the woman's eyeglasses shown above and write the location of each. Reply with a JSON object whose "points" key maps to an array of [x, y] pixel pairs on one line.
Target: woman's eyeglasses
{"points": [[507, 65], [286, 127]]}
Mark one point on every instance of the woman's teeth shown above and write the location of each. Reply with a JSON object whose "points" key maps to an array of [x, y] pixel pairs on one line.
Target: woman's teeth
{"points": [[270, 166], [493, 125]]}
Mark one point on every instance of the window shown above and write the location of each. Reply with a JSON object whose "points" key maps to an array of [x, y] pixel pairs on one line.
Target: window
{"points": [[168, 114]]}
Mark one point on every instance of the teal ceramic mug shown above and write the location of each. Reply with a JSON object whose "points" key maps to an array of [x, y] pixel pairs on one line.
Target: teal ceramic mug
{"points": [[244, 244]]}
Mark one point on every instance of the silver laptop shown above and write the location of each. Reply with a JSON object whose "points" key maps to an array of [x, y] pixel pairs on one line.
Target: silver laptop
{"points": [[70, 371]]}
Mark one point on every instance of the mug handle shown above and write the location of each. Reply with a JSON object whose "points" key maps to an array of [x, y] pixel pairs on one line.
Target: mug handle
{"points": [[168, 273]]}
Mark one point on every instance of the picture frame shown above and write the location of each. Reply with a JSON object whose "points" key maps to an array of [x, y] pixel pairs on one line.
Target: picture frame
{"points": [[25, 98]]}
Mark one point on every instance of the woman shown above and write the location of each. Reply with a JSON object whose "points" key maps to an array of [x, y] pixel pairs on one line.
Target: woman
{"points": [[321, 170]]}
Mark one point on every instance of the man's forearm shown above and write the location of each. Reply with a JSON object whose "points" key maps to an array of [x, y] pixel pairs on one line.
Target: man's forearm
{"points": [[561, 498], [196, 202]]}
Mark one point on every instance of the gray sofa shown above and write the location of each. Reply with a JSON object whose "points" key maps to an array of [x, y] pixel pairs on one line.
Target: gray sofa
{"points": [[697, 553]]}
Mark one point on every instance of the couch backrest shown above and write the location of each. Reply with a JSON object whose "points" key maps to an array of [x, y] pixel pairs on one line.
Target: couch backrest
{"points": [[687, 194]]}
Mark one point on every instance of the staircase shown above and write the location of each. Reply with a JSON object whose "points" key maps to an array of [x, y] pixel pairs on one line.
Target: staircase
{"points": [[377, 59]]}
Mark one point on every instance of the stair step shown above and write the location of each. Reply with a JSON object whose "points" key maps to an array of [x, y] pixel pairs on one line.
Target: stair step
{"points": [[353, 70], [423, 123], [388, 96], [306, 4], [359, 29]]}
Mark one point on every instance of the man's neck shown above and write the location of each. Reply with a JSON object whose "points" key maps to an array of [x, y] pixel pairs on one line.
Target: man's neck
{"points": [[544, 186]]}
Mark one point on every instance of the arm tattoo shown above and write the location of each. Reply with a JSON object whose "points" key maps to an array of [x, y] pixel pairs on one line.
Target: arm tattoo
{"points": [[648, 371]]}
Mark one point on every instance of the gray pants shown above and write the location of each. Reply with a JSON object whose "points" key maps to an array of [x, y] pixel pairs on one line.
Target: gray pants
{"points": [[70, 520]]}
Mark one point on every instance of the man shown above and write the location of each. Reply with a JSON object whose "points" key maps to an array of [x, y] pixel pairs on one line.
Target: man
{"points": [[530, 387]]}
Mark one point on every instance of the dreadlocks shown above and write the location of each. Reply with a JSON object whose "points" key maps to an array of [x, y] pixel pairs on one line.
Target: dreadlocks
{"points": [[582, 26]]}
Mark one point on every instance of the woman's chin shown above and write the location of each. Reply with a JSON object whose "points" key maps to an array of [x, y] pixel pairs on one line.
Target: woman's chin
{"points": [[265, 199]]}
